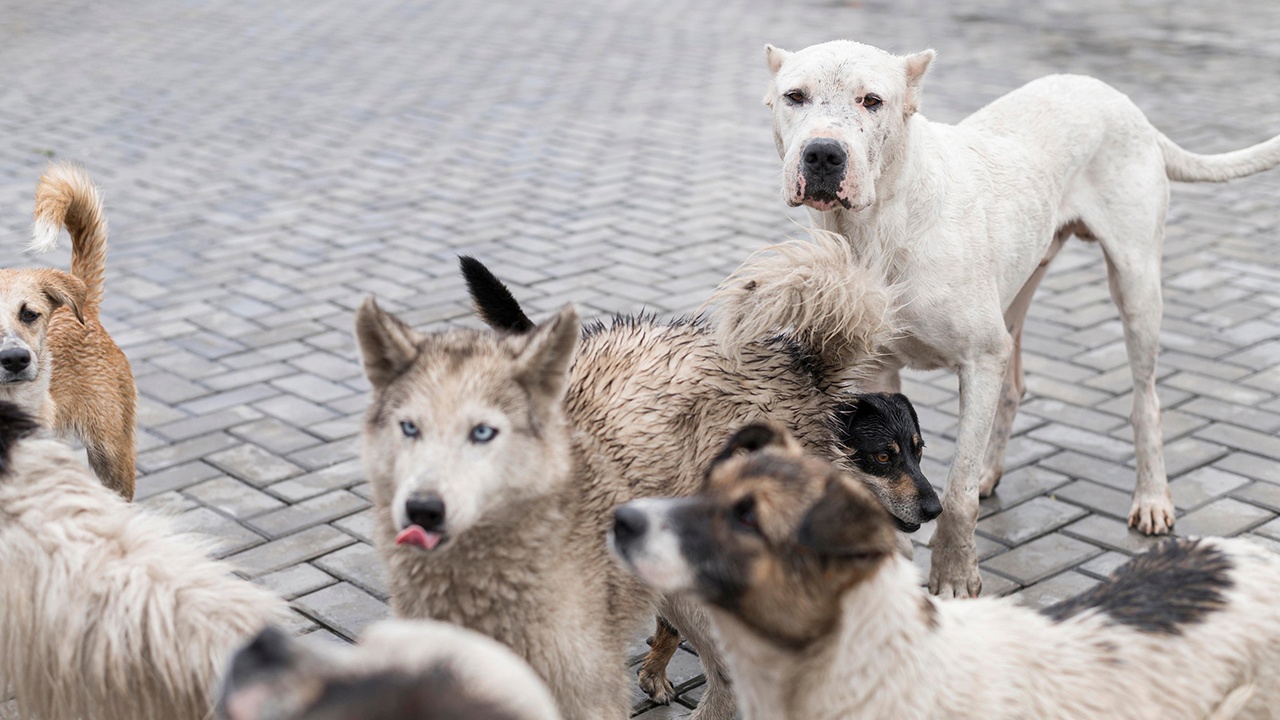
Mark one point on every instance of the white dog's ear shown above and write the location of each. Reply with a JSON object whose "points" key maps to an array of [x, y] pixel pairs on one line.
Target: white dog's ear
{"points": [[916, 66], [544, 362], [775, 57], [387, 345]]}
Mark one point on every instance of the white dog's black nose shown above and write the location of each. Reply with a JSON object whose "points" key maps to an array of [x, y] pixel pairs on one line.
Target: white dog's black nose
{"points": [[824, 158], [425, 511], [628, 524], [15, 360]]}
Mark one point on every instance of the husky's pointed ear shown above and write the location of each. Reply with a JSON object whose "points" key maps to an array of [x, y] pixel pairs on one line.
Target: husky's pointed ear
{"points": [[387, 345], [847, 522], [544, 362], [916, 66], [753, 438], [775, 56]]}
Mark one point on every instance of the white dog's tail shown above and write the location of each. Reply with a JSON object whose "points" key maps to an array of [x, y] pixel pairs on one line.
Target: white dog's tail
{"points": [[67, 197], [817, 291], [1187, 166]]}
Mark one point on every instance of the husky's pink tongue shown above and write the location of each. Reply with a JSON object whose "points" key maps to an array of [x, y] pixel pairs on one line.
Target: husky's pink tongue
{"points": [[415, 535]]}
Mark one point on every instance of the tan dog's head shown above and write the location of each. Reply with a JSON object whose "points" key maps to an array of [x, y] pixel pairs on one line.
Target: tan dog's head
{"points": [[840, 112], [28, 299], [775, 538], [465, 427]]}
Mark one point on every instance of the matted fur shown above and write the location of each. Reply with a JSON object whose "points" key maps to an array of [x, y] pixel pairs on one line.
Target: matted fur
{"points": [[457, 672], [818, 619], [79, 382], [106, 612]]}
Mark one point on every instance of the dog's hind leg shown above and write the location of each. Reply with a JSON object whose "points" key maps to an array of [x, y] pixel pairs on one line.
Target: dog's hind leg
{"points": [[689, 619]]}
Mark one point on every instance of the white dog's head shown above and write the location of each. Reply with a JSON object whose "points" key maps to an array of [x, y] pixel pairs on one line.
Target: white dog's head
{"points": [[840, 112]]}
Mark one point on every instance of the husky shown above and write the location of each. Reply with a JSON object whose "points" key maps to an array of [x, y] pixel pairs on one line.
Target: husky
{"points": [[818, 617], [106, 612], [497, 456], [401, 670]]}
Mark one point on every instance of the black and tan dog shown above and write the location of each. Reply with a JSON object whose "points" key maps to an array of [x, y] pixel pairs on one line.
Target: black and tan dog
{"points": [[819, 617]]}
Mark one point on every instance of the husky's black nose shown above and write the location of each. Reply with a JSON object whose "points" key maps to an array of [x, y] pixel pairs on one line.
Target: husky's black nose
{"points": [[628, 524], [15, 360], [425, 511], [824, 159]]}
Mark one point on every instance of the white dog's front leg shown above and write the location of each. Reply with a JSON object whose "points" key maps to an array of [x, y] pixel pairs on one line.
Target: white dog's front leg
{"points": [[954, 571]]}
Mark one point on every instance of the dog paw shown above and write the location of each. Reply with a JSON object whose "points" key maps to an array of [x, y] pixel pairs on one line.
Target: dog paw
{"points": [[657, 687], [1152, 515], [954, 573], [989, 482]]}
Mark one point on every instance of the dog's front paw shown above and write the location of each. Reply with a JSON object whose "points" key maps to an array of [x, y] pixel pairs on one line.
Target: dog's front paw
{"points": [[1152, 515], [657, 686], [954, 572], [990, 481]]}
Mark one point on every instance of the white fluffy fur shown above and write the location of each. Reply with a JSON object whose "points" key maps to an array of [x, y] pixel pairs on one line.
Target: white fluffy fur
{"points": [[992, 659], [107, 613]]}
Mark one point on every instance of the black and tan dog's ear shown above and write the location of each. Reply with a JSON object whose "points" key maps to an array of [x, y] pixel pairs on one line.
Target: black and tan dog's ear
{"points": [[847, 522], [753, 438], [544, 362], [64, 289], [387, 345]]}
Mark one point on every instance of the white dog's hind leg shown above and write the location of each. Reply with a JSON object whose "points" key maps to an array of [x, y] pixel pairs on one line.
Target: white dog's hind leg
{"points": [[954, 569]]}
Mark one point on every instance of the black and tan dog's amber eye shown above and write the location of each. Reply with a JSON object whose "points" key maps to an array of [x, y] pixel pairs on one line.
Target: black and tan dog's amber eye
{"points": [[871, 102], [28, 316], [882, 457], [409, 429], [796, 97], [744, 514]]}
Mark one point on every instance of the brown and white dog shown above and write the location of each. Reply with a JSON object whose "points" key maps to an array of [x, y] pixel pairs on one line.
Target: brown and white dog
{"points": [[57, 362], [818, 617]]}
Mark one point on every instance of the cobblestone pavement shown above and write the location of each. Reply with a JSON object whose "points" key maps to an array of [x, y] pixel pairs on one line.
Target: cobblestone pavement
{"points": [[268, 164]]}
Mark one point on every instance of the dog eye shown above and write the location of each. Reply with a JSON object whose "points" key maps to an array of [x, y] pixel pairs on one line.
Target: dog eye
{"points": [[482, 433], [871, 102], [744, 514], [409, 429], [882, 457], [796, 97], [28, 316]]}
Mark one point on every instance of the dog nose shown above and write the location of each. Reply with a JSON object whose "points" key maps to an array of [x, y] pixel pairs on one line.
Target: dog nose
{"points": [[270, 649], [628, 524], [427, 512], [930, 507], [824, 158], [15, 359]]}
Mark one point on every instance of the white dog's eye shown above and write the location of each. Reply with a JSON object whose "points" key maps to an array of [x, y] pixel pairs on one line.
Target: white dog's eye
{"points": [[482, 433], [796, 97], [871, 102], [409, 429]]}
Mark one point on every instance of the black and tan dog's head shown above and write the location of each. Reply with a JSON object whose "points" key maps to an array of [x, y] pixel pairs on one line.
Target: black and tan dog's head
{"points": [[775, 538], [882, 433]]}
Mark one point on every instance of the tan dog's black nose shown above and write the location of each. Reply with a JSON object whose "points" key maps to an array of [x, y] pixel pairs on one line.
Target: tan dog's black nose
{"points": [[15, 360], [628, 524]]}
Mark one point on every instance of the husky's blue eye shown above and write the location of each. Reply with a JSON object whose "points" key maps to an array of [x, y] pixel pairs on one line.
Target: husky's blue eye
{"points": [[409, 429], [483, 433]]}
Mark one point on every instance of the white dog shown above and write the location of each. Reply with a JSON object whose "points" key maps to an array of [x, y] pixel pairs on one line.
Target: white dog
{"points": [[106, 613], [819, 617], [966, 218]]}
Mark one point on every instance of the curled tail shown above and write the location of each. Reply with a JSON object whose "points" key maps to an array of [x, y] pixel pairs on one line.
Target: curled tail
{"points": [[66, 197], [1187, 166], [816, 291]]}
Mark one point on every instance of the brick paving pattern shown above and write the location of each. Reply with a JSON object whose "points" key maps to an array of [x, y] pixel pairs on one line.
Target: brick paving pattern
{"points": [[267, 165]]}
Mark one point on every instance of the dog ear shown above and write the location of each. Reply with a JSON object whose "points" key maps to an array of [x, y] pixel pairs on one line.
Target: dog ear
{"points": [[544, 362], [775, 56], [847, 522], [387, 345], [65, 289], [753, 438], [916, 66]]}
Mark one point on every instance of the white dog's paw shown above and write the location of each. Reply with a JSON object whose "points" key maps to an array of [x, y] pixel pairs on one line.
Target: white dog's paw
{"points": [[1152, 514], [954, 572], [989, 481]]}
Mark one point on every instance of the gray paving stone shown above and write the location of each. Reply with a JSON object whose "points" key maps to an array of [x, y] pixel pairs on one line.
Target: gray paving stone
{"points": [[1110, 533], [297, 580], [1042, 557], [359, 565], [233, 497], [317, 510], [343, 608], [1200, 486], [1103, 565], [253, 464], [1031, 519], [1056, 589], [291, 550], [1096, 498], [1224, 517], [228, 535]]}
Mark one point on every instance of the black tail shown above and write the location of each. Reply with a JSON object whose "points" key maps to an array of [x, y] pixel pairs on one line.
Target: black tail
{"points": [[15, 424], [495, 303]]}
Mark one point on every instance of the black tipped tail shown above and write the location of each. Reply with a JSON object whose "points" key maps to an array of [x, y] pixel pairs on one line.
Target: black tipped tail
{"points": [[15, 424], [495, 303]]}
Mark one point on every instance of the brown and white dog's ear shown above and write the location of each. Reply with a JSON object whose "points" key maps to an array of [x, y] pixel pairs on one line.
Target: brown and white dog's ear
{"points": [[544, 362], [754, 438], [916, 66], [387, 345], [846, 523], [64, 289]]}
